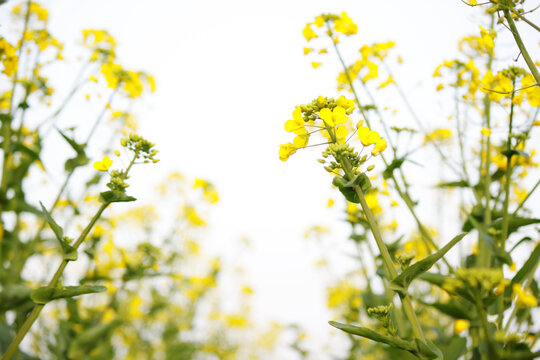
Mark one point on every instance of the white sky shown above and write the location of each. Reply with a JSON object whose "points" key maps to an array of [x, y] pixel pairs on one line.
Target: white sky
{"points": [[229, 74]]}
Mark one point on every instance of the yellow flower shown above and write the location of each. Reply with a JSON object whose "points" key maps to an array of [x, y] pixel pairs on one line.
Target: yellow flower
{"points": [[345, 25], [386, 83], [524, 297], [461, 325], [8, 58], [315, 64], [485, 131], [193, 217], [296, 125], [368, 137], [345, 103], [319, 21], [286, 150], [300, 141], [307, 50], [438, 135], [531, 90], [379, 147], [103, 165], [309, 33], [333, 117]]}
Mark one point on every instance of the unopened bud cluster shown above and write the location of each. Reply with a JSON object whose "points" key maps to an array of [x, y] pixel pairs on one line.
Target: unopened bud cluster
{"points": [[404, 260], [340, 152], [381, 313], [117, 181], [482, 280], [141, 147], [310, 111]]}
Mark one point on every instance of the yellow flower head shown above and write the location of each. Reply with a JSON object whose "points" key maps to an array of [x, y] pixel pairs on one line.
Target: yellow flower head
{"points": [[461, 325], [308, 33], [333, 117], [286, 150], [104, 164], [345, 25]]}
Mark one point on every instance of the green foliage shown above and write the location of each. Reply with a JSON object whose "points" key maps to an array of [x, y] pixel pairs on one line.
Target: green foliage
{"points": [[45, 294]]}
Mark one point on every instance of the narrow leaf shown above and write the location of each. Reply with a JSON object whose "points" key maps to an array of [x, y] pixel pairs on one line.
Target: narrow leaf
{"points": [[515, 222], [529, 266], [401, 283], [45, 294], [395, 164], [54, 226], [375, 336], [460, 183], [451, 308], [79, 148], [114, 196]]}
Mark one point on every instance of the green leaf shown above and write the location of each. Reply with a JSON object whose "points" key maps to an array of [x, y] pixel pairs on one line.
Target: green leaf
{"points": [[460, 183], [451, 308], [439, 280], [395, 164], [57, 229], [347, 187], [77, 161], [115, 196], [428, 349], [529, 266], [79, 148], [375, 336], [68, 251], [515, 222], [402, 281], [45, 294], [32, 154], [13, 296]]}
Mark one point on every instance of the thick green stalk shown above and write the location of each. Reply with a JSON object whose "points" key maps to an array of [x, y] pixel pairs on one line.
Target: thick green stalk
{"points": [[484, 252], [533, 25], [492, 351], [387, 260], [521, 45], [508, 176]]}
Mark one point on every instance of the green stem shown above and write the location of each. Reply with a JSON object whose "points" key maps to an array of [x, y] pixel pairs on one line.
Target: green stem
{"points": [[508, 175], [387, 260], [485, 326], [534, 26], [484, 252], [398, 316], [521, 45]]}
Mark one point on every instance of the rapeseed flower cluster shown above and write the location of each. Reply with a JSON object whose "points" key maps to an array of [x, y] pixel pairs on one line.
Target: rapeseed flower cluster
{"points": [[511, 83], [330, 118], [8, 58], [103, 47], [334, 24], [367, 66]]}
